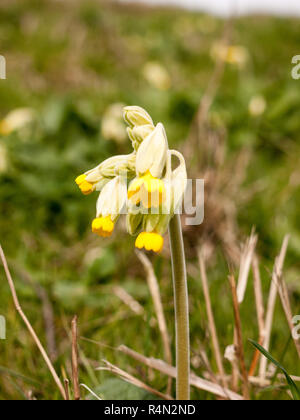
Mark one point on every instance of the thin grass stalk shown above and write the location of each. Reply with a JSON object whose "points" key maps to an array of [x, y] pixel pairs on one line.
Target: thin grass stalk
{"points": [[29, 326], [181, 309], [211, 320]]}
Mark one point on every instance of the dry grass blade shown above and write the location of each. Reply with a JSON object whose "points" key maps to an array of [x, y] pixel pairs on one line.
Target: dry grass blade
{"points": [[132, 380], [128, 300], [208, 97], [245, 265], [67, 391], [91, 392], [195, 381], [239, 337], [260, 310], [75, 359], [277, 273], [29, 327], [286, 304], [211, 320], [155, 293], [48, 312]]}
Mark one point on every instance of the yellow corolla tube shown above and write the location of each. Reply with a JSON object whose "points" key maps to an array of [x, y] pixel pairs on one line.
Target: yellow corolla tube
{"points": [[151, 241], [103, 226], [85, 186], [111, 203]]}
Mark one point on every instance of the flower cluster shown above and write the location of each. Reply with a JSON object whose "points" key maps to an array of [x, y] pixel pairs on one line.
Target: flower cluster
{"points": [[141, 185]]}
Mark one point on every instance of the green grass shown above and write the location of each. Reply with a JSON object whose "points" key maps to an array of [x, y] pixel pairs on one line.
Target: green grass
{"points": [[70, 62]]}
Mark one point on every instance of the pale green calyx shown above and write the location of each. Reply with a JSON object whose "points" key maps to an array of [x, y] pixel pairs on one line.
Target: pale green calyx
{"points": [[134, 223], [111, 167]]}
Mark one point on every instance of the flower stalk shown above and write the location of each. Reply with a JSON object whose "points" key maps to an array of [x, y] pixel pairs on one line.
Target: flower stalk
{"points": [[181, 309]]}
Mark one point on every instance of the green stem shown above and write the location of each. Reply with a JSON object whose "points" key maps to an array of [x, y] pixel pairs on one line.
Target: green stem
{"points": [[181, 309]]}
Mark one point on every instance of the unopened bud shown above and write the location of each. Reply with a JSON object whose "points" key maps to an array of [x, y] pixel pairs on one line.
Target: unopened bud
{"points": [[139, 133], [136, 116]]}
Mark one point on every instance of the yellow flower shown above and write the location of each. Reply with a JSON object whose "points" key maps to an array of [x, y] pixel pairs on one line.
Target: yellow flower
{"points": [[232, 54], [103, 226], [97, 178], [85, 186], [151, 241], [148, 190], [110, 204]]}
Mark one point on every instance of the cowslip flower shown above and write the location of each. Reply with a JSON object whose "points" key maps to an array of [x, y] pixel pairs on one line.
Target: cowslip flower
{"points": [[141, 184], [151, 158], [154, 226], [110, 204], [95, 179]]}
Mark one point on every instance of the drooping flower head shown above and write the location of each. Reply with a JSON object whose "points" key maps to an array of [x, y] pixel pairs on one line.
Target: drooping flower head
{"points": [[141, 184]]}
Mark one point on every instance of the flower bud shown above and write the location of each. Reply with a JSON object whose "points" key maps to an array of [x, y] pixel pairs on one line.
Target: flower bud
{"points": [[136, 116], [152, 153], [139, 133]]}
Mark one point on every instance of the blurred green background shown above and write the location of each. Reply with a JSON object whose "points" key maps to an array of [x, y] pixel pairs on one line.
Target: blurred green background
{"points": [[72, 65]]}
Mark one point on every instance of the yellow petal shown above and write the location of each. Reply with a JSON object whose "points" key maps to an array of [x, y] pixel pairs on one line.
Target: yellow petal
{"points": [[80, 179], [86, 188]]}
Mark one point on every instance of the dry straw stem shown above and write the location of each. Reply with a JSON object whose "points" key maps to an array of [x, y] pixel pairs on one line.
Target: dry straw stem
{"points": [[208, 97], [91, 392], [155, 293], [48, 312], [259, 300], [129, 300], [239, 337], [286, 304], [75, 374], [67, 391], [133, 380], [29, 327], [195, 381], [277, 273], [245, 265], [211, 320], [260, 310]]}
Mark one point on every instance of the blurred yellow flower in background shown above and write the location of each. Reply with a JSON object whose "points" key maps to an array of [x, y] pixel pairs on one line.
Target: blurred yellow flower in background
{"points": [[157, 75], [3, 158], [257, 105], [16, 120], [231, 54], [112, 127]]}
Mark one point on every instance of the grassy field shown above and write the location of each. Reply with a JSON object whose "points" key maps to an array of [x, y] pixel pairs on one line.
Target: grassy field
{"points": [[70, 62]]}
